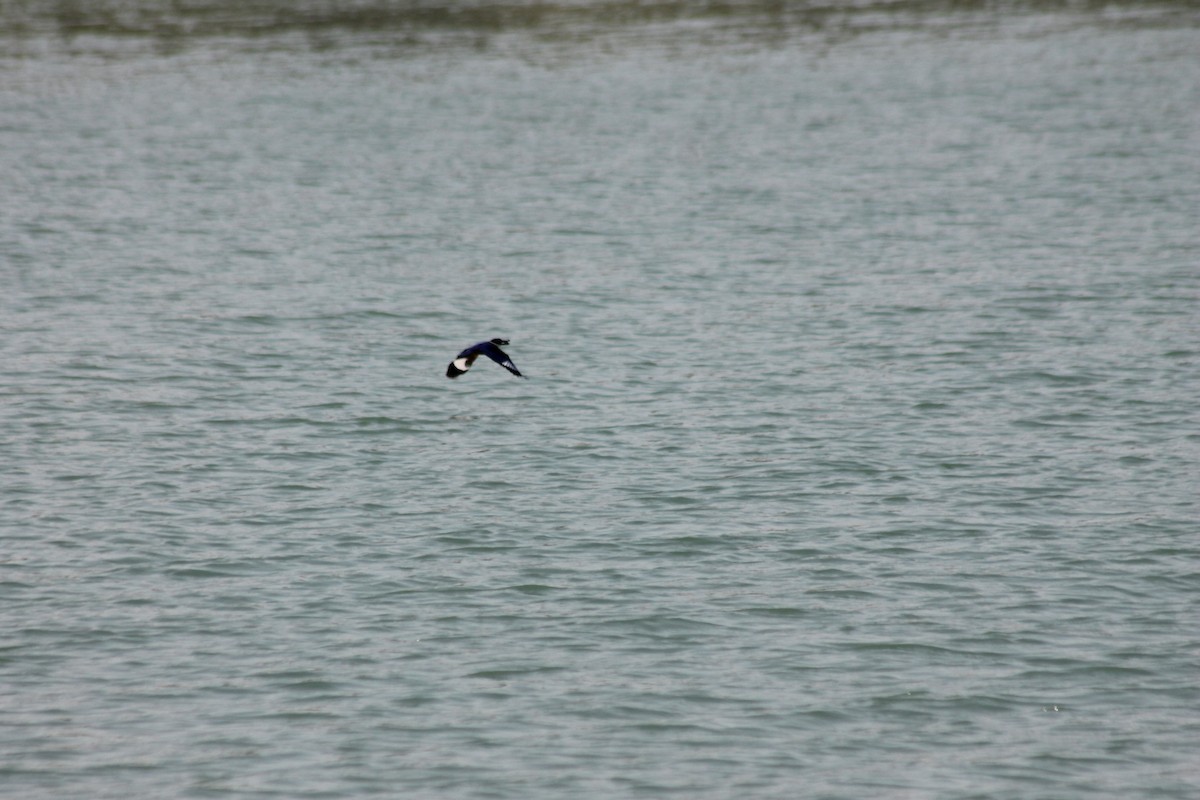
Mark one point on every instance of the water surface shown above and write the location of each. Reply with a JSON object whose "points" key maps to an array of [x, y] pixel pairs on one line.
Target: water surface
{"points": [[858, 456]]}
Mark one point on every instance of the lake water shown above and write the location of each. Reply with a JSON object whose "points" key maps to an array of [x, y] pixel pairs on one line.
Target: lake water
{"points": [[859, 455]]}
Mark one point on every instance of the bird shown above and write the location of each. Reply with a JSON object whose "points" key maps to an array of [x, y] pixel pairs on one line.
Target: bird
{"points": [[463, 361]]}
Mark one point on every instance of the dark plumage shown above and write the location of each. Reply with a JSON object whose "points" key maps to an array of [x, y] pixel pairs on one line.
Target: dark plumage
{"points": [[463, 361]]}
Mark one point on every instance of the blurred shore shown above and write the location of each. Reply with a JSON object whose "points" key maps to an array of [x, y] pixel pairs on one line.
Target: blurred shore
{"points": [[179, 19]]}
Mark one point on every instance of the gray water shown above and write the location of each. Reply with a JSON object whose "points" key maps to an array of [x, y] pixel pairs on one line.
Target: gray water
{"points": [[858, 456]]}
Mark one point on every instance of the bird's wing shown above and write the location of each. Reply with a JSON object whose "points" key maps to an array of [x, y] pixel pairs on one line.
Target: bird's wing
{"points": [[499, 356]]}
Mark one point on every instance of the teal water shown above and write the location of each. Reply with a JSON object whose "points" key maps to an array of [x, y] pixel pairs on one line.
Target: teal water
{"points": [[858, 455]]}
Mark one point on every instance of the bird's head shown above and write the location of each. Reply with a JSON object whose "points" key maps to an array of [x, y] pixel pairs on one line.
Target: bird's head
{"points": [[499, 342]]}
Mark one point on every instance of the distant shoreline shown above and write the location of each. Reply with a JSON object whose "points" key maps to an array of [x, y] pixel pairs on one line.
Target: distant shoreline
{"points": [[217, 18]]}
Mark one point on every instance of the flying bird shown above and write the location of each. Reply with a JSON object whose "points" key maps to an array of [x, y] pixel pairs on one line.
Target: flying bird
{"points": [[463, 361]]}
